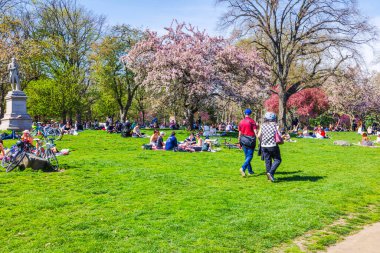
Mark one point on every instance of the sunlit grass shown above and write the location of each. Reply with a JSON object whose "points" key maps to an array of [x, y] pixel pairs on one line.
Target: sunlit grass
{"points": [[115, 197]]}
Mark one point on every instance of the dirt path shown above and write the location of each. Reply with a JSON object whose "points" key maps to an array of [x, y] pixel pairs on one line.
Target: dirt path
{"points": [[366, 241]]}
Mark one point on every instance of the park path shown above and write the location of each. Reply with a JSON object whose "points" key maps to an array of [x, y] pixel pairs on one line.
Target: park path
{"points": [[366, 241]]}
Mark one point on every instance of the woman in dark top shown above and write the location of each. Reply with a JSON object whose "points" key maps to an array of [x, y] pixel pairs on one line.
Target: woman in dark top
{"points": [[160, 141]]}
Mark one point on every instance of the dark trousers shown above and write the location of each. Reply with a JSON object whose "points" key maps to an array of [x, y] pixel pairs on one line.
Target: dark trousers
{"points": [[272, 159]]}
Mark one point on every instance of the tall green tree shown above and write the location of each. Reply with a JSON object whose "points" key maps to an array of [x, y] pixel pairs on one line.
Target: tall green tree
{"points": [[112, 77], [65, 32]]}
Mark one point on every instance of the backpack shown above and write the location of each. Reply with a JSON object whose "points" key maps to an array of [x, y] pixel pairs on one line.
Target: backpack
{"points": [[147, 146], [205, 146]]}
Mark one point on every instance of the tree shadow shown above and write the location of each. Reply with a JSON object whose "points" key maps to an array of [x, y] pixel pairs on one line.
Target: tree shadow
{"points": [[299, 178]]}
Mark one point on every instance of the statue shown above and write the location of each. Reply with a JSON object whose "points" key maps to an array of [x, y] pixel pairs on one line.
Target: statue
{"points": [[13, 75]]}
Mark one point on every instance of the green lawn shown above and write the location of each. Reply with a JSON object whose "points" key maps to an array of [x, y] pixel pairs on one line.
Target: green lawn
{"points": [[115, 197]]}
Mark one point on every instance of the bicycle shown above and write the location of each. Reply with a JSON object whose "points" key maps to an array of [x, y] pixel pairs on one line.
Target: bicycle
{"points": [[48, 132], [22, 149], [50, 156], [15, 159]]}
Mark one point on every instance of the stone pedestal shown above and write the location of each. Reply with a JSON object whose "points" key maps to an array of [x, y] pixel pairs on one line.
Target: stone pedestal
{"points": [[16, 118]]}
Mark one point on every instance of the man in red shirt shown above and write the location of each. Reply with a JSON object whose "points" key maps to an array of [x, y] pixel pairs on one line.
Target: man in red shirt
{"points": [[247, 139]]}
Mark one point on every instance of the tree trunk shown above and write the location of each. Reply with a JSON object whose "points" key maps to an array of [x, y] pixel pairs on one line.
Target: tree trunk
{"points": [[189, 114], [143, 116], [282, 99], [2, 101], [123, 115], [63, 117], [79, 117], [124, 110]]}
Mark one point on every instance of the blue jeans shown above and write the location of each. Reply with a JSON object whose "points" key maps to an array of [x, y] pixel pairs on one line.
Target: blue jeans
{"points": [[248, 152]]}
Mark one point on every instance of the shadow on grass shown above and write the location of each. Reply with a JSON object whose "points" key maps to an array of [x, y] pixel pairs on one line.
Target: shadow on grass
{"points": [[299, 178], [288, 172], [65, 166], [281, 173]]}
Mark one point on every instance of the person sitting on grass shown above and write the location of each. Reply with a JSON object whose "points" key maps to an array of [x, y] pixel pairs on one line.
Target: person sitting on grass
{"points": [[286, 137], [191, 139], [136, 132], [154, 138], [365, 140], [320, 133], [212, 130], [186, 146], [110, 129], [305, 131], [66, 129], [171, 142], [199, 144], [26, 137], [160, 141]]}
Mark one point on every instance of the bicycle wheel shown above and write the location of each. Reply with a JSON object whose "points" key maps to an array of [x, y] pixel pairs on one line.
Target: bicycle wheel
{"points": [[17, 159], [50, 134], [6, 160], [50, 156]]}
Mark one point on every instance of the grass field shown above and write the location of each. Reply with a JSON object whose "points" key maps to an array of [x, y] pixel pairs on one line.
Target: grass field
{"points": [[115, 197]]}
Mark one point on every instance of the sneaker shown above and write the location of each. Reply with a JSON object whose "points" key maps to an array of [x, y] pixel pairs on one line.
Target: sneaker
{"points": [[251, 174], [242, 172], [270, 177]]}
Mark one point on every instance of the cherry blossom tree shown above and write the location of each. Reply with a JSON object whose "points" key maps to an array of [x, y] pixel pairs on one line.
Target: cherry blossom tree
{"points": [[309, 102], [348, 93], [188, 67]]}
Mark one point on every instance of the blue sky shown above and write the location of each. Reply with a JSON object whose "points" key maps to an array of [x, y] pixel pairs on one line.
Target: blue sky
{"points": [[157, 14]]}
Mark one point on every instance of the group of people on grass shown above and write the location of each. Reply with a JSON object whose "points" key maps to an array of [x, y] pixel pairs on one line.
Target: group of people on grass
{"points": [[318, 132], [26, 138], [191, 144]]}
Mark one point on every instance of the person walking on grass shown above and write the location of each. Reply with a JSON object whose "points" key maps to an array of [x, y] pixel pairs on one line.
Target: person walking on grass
{"points": [[247, 139], [269, 147]]}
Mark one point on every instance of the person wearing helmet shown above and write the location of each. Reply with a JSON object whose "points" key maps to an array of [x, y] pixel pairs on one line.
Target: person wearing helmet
{"points": [[270, 149], [247, 139], [26, 137]]}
